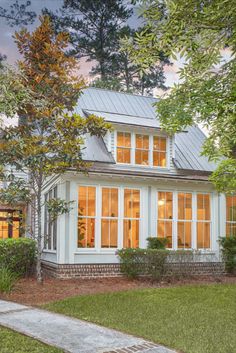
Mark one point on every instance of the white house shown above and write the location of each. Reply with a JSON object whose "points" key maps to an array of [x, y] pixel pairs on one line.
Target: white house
{"points": [[141, 183]]}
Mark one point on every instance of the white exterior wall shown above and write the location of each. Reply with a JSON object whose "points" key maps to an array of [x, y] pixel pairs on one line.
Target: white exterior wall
{"points": [[67, 251]]}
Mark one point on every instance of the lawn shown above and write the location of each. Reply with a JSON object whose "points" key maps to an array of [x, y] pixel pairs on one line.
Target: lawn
{"points": [[13, 342], [192, 319]]}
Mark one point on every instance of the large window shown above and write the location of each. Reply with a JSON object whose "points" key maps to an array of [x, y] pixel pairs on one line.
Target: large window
{"points": [[159, 151], [123, 150], [86, 216], [131, 218], [109, 221], [184, 225], [50, 225], [203, 221], [142, 149], [165, 216], [10, 223], [230, 215]]}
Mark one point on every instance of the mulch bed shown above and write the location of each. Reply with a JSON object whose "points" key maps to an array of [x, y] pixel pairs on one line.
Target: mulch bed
{"points": [[28, 291]]}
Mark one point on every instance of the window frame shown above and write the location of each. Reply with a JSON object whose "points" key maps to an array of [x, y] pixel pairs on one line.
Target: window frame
{"points": [[52, 228], [230, 223], [110, 218], [150, 151], [175, 218], [98, 235]]}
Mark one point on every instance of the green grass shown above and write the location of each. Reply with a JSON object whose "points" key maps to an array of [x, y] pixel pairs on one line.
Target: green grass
{"points": [[13, 342], [192, 319]]}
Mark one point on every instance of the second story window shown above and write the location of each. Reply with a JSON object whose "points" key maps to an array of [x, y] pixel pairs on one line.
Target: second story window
{"points": [[159, 151], [123, 147], [142, 149]]}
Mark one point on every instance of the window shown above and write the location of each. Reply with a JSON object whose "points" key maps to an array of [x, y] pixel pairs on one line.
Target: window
{"points": [[142, 149], [203, 221], [230, 215], [135, 149], [50, 225], [159, 151], [109, 221], [165, 216], [131, 218], [86, 217], [123, 150], [184, 225], [10, 223]]}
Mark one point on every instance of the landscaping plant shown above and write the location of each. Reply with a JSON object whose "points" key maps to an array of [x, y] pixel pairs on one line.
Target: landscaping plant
{"points": [[7, 279], [228, 245], [18, 255]]}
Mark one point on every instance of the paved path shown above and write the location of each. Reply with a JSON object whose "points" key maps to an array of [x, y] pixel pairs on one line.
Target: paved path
{"points": [[71, 335]]}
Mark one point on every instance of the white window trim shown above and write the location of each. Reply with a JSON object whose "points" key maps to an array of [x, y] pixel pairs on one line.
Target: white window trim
{"points": [[133, 148], [97, 248], [193, 221]]}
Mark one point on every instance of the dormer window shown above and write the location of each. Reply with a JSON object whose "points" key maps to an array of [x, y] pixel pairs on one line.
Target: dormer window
{"points": [[142, 149], [123, 151], [159, 151]]}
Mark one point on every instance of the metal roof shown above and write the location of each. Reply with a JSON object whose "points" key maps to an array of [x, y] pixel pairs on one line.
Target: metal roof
{"points": [[125, 108]]}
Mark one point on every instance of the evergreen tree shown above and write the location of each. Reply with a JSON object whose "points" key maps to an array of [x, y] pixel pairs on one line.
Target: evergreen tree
{"points": [[93, 27]]}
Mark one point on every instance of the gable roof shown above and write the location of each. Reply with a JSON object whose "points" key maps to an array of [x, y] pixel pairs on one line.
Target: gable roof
{"points": [[130, 109]]}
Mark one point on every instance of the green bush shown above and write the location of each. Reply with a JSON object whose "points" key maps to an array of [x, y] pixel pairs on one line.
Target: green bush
{"points": [[7, 280], [18, 255], [157, 243], [136, 262], [228, 248], [155, 263]]}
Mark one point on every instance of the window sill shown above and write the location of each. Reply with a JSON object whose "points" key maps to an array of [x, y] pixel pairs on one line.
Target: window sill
{"points": [[50, 251]]}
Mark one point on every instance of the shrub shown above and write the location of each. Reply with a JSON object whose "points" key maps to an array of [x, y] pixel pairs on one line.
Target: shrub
{"points": [[7, 280], [228, 248], [155, 263], [18, 255], [136, 262], [157, 243]]}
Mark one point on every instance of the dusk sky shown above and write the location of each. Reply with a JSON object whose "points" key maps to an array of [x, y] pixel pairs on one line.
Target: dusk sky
{"points": [[8, 47]]}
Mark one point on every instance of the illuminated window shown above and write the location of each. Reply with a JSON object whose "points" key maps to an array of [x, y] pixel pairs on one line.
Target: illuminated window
{"points": [[86, 216], [184, 225], [142, 149], [131, 218], [50, 225], [10, 224], [123, 149], [203, 221], [159, 151], [165, 216], [230, 215], [109, 222]]}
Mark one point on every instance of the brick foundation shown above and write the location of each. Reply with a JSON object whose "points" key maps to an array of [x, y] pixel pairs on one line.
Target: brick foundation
{"points": [[113, 270]]}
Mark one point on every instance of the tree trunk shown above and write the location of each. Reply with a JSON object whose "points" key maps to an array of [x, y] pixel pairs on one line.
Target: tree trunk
{"points": [[39, 239]]}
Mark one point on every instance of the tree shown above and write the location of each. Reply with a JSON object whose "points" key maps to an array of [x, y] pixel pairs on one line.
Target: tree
{"points": [[200, 31], [49, 138], [17, 14], [93, 27]]}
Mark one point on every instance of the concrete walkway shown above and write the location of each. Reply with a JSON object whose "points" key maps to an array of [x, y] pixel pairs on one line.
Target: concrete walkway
{"points": [[71, 335]]}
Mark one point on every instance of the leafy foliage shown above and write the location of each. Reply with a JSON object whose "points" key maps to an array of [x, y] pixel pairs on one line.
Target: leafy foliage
{"points": [[228, 245], [18, 14], [49, 137], [199, 32], [18, 255], [157, 243], [7, 280], [97, 35]]}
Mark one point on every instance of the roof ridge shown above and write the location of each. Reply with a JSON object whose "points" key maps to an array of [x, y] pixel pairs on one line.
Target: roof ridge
{"points": [[126, 93]]}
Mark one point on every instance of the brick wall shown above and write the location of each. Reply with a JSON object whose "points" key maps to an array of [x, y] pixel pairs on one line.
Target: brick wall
{"points": [[113, 270]]}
